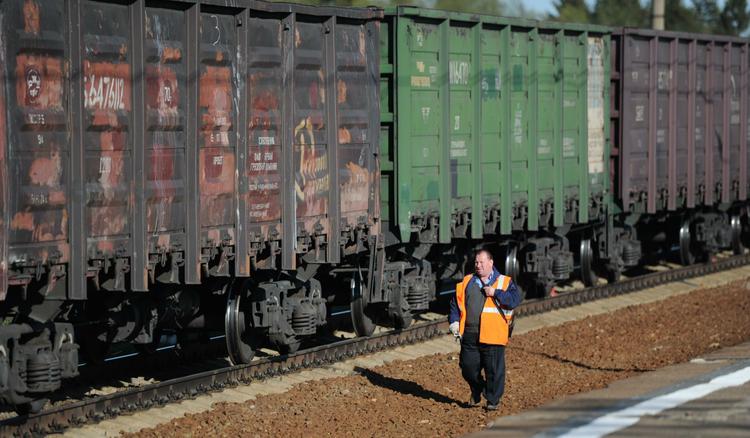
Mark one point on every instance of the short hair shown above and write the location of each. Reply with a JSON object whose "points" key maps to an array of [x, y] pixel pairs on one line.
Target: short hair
{"points": [[483, 250]]}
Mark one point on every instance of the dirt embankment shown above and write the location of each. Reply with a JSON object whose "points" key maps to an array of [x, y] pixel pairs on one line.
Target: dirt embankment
{"points": [[427, 397]]}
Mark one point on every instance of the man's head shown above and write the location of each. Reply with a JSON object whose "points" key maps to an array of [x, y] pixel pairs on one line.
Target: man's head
{"points": [[483, 263]]}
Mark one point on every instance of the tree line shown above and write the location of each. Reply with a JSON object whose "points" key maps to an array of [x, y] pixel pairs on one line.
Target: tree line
{"points": [[703, 16], [730, 17]]}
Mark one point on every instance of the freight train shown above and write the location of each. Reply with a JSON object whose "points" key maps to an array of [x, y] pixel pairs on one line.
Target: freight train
{"points": [[180, 166]]}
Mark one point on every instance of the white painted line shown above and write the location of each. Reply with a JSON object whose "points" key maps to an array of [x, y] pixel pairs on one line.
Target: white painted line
{"points": [[627, 417]]}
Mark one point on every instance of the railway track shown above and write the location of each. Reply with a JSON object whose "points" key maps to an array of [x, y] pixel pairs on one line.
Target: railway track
{"points": [[57, 419]]}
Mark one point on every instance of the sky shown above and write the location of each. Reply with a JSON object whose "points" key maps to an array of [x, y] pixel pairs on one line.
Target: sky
{"points": [[547, 6], [543, 6]]}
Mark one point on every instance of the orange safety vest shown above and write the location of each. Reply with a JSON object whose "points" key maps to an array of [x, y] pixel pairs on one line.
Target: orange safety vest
{"points": [[494, 321]]}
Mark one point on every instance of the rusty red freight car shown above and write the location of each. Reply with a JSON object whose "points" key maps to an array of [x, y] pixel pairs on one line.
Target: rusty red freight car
{"points": [[680, 133], [166, 165]]}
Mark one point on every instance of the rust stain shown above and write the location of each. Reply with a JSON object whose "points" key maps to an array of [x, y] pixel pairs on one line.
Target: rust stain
{"points": [[217, 171], [43, 230], [105, 246], [216, 98], [163, 94], [341, 91], [170, 54], [46, 171], [23, 220], [262, 167], [107, 90], [31, 17], [311, 183], [355, 191], [163, 102], [262, 106], [217, 159], [345, 137], [57, 197], [163, 241]]}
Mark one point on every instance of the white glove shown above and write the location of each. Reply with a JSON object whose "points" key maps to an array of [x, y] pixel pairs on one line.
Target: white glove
{"points": [[454, 329]]}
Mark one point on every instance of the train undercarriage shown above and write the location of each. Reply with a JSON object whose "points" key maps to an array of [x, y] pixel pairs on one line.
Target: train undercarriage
{"points": [[46, 336]]}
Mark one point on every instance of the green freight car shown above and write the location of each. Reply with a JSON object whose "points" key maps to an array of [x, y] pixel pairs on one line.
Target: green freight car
{"points": [[494, 130]]}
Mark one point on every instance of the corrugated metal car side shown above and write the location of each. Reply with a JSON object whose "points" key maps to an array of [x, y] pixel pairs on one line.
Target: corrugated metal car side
{"points": [[684, 120], [37, 179], [491, 122], [129, 155]]}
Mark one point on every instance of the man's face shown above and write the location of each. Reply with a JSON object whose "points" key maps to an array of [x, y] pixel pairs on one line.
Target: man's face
{"points": [[483, 265]]}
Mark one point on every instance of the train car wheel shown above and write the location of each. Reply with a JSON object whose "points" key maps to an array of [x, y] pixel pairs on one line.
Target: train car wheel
{"points": [[511, 266], [686, 244], [736, 224], [588, 260], [238, 334], [362, 322]]}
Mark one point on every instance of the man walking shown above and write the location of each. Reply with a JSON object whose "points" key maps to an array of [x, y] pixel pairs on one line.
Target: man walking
{"points": [[480, 316]]}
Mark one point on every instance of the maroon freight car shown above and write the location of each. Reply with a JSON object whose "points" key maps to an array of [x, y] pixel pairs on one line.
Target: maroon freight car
{"points": [[680, 137], [175, 147]]}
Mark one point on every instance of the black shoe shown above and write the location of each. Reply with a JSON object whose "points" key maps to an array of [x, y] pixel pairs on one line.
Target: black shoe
{"points": [[475, 399], [491, 407]]}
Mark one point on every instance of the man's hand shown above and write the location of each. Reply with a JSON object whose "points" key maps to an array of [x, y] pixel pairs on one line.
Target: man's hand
{"points": [[489, 291], [454, 330]]}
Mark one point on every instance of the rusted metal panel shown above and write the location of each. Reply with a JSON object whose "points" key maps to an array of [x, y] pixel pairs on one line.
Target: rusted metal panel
{"points": [[107, 140], [165, 142], [36, 170], [310, 143], [353, 102], [684, 129], [217, 111], [138, 129], [265, 78]]}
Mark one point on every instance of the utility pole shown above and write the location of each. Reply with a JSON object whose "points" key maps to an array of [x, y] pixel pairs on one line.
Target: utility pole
{"points": [[657, 14]]}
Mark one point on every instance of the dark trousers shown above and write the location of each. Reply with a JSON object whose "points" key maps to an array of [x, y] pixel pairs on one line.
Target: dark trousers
{"points": [[476, 357]]}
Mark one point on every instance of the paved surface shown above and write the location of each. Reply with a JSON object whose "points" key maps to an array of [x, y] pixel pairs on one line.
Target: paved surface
{"points": [[705, 397], [446, 344]]}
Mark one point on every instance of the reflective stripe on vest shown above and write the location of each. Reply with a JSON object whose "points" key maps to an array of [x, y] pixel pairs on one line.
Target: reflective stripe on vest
{"points": [[494, 321]]}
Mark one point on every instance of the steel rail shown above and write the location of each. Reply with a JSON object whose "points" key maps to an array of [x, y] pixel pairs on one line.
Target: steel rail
{"points": [[96, 409]]}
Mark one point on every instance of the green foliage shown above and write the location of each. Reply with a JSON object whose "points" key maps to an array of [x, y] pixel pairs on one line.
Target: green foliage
{"points": [[706, 16], [628, 13], [679, 17], [572, 11]]}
